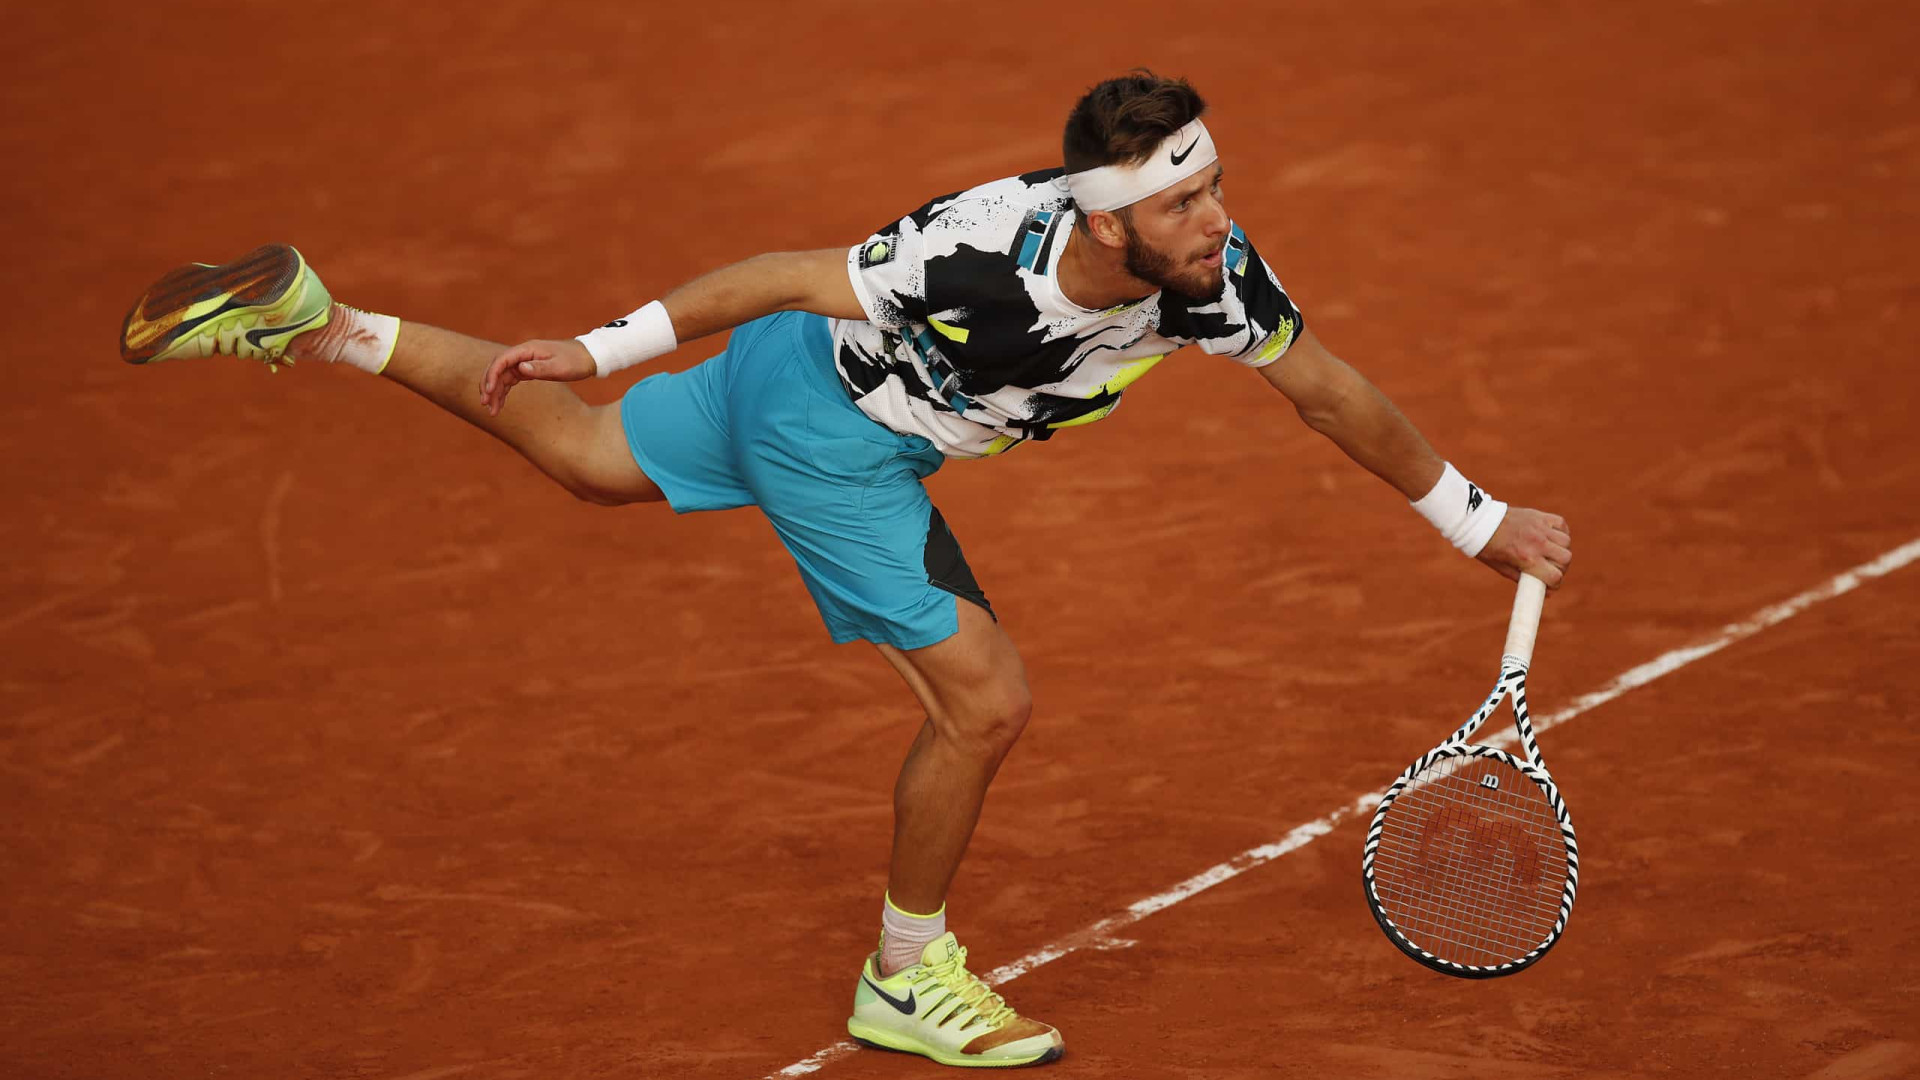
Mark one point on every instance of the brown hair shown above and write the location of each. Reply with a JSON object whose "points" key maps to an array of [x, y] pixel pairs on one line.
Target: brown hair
{"points": [[1120, 121]]}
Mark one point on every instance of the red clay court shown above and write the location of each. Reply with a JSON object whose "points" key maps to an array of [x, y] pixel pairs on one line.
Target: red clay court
{"points": [[336, 742]]}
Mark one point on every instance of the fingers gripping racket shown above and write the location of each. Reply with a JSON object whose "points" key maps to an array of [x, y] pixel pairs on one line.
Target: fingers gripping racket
{"points": [[1470, 863]]}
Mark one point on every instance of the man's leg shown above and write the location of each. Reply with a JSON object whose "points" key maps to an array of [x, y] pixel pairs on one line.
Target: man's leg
{"points": [[582, 447], [974, 689], [269, 305]]}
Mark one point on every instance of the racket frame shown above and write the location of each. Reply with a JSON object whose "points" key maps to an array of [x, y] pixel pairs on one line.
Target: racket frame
{"points": [[1517, 656]]}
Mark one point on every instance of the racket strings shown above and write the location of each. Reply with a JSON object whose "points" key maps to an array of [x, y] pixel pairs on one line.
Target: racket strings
{"points": [[1472, 863], [1465, 864]]}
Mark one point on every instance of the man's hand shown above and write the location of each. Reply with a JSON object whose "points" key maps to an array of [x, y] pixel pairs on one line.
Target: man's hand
{"points": [[1532, 541], [552, 361]]}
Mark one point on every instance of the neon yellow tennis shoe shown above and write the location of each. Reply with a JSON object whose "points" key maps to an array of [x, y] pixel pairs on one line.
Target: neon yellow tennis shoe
{"points": [[250, 308], [941, 1010]]}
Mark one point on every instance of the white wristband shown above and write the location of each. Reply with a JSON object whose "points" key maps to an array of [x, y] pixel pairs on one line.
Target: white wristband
{"points": [[622, 343], [1463, 513]]}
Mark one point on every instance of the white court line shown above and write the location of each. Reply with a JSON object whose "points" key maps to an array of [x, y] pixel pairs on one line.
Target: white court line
{"points": [[1101, 934]]}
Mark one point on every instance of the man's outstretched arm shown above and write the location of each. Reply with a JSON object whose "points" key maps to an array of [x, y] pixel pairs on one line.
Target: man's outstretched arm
{"points": [[813, 281], [1341, 404]]}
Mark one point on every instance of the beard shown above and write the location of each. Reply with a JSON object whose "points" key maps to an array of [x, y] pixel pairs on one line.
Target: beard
{"points": [[1189, 280]]}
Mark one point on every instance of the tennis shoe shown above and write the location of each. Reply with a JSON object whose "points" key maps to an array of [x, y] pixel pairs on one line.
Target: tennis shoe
{"points": [[939, 1009], [251, 307]]}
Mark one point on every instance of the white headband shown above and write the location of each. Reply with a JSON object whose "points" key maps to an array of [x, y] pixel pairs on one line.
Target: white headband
{"points": [[1111, 187]]}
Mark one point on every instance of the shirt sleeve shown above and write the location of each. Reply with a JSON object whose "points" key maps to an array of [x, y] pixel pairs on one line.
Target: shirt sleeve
{"points": [[889, 274], [1260, 322]]}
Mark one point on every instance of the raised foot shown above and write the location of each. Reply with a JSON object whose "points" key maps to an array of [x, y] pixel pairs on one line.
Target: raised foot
{"points": [[252, 307]]}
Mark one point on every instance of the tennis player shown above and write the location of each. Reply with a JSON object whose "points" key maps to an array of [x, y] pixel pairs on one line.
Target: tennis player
{"points": [[983, 321]]}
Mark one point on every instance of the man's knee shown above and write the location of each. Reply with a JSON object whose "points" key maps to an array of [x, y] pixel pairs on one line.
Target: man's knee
{"points": [[973, 686], [990, 726]]}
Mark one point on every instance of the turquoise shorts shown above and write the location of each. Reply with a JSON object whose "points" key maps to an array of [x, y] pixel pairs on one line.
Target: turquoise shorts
{"points": [[767, 423]]}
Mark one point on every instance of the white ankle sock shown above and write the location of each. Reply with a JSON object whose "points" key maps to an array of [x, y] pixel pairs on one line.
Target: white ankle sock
{"points": [[904, 936], [357, 338]]}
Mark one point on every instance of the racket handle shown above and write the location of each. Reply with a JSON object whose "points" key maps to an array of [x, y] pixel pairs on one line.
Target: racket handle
{"points": [[1525, 624]]}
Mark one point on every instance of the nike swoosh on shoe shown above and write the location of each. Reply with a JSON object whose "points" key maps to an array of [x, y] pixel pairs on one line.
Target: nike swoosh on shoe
{"points": [[907, 1006], [257, 338]]}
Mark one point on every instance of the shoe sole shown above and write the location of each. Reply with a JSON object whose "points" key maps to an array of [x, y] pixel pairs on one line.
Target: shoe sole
{"points": [[199, 301], [880, 1040]]}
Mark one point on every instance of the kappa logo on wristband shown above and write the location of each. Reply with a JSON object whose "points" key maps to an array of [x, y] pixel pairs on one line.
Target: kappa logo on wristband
{"points": [[1473, 497]]}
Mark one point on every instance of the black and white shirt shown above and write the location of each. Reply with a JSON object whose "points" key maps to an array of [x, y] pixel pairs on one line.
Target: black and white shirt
{"points": [[970, 342]]}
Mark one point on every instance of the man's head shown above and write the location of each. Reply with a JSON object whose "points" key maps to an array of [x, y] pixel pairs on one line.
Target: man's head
{"points": [[1168, 234]]}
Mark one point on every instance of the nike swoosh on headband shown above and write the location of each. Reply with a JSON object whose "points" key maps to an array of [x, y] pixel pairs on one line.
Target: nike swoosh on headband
{"points": [[1181, 155]]}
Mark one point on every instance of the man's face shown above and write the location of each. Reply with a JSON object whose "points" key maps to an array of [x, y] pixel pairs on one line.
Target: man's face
{"points": [[1175, 240]]}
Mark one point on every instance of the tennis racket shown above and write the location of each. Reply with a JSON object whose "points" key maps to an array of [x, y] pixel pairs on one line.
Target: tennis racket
{"points": [[1470, 863]]}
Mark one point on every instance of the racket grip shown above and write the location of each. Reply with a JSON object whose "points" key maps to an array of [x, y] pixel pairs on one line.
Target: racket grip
{"points": [[1525, 624]]}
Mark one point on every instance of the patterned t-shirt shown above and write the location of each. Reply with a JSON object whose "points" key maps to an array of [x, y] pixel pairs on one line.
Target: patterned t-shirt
{"points": [[970, 342]]}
